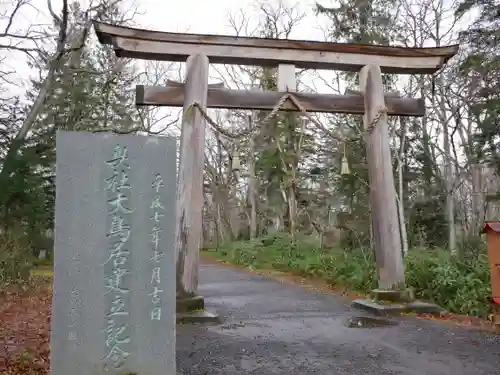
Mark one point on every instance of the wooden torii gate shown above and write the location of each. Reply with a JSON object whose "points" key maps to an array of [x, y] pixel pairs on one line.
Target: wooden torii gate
{"points": [[199, 50]]}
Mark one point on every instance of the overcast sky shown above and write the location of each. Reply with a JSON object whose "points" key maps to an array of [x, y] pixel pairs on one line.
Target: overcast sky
{"points": [[211, 16], [195, 16]]}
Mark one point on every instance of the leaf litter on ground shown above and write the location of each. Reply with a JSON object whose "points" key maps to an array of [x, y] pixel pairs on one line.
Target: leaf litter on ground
{"points": [[25, 313]]}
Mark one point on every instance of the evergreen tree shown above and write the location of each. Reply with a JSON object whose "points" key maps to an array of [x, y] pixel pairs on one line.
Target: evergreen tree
{"points": [[92, 89], [482, 67], [360, 22]]}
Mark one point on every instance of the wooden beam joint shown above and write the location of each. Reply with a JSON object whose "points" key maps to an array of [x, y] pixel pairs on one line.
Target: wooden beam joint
{"points": [[286, 78], [172, 83], [390, 94]]}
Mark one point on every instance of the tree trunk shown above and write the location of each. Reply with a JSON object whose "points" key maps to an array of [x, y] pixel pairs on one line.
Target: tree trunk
{"points": [[401, 208], [477, 199], [252, 185], [292, 209], [448, 173]]}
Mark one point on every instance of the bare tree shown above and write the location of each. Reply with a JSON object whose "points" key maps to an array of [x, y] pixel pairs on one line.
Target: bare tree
{"points": [[64, 47]]}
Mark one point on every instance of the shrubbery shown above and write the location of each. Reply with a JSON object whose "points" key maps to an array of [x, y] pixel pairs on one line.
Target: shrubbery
{"points": [[460, 285], [16, 259]]}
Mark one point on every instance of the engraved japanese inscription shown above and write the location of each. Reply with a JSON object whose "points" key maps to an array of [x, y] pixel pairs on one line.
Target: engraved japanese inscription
{"points": [[157, 214], [114, 275], [116, 265]]}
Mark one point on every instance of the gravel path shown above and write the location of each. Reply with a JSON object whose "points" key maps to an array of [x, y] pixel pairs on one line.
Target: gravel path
{"points": [[275, 328]]}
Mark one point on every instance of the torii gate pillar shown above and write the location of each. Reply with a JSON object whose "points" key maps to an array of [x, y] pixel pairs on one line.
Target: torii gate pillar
{"points": [[189, 227], [190, 178], [392, 296]]}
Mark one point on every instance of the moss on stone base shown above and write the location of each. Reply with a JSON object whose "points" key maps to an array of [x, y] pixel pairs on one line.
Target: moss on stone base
{"points": [[393, 296], [188, 304]]}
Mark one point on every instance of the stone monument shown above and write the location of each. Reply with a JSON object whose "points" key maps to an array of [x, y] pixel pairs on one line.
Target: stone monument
{"points": [[114, 262]]}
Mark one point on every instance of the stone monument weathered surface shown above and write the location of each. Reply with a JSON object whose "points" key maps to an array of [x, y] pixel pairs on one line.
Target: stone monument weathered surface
{"points": [[114, 261]]}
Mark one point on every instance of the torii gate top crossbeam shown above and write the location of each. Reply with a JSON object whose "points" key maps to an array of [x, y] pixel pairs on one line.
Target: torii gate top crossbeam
{"points": [[222, 49]]}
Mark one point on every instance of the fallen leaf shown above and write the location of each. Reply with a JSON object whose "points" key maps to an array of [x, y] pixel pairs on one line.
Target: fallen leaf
{"points": [[25, 317]]}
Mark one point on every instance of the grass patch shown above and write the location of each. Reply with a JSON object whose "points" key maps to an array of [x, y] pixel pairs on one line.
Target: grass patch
{"points": [[42, 272]]}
